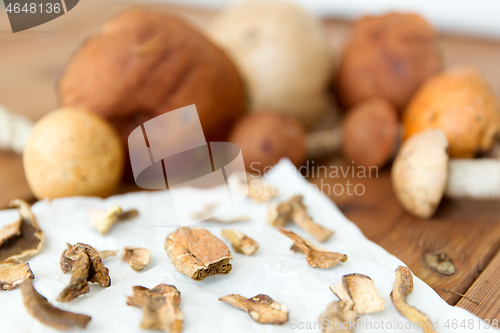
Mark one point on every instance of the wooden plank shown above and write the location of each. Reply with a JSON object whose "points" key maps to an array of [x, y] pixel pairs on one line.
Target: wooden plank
{"points": [[482, 297], [466, 232]]}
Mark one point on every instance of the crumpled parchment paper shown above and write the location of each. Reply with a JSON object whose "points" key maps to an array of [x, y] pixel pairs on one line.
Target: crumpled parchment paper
{"points": [[272, 270]]}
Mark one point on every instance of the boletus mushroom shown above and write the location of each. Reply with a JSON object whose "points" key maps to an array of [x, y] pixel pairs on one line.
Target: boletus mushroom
{"points": [[387, 56], [461, 103], [422, 173]]}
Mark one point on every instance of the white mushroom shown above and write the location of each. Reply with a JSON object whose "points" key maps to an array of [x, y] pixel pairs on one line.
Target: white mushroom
{"points": [[422, 173]]}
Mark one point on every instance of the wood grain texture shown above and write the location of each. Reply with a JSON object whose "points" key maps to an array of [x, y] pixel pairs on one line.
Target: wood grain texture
{"points": [[467, 232]]}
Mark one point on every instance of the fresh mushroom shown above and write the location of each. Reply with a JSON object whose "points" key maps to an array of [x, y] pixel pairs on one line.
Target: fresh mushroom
{"points": [[368, 136], [422, 173]]}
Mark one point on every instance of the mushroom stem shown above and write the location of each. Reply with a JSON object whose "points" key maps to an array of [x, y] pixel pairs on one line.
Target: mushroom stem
{"points": [[477, 179], [324, 143]]}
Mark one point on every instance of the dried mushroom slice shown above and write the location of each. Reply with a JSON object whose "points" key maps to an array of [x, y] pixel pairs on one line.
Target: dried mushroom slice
{"points": [[137, 257], [86, 266], [161, 307], [12, 230], [103, 220], [338, 317], [197, 253], [78, 284], [316, 256], [107, 253], [403, 285], [47, 314], [363, 293], [262, 308], [279, 214], [11, 275], [16, 249], [240, 242]]}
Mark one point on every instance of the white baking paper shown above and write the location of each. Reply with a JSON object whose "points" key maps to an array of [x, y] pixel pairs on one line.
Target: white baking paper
{"points": [[273, 270]]}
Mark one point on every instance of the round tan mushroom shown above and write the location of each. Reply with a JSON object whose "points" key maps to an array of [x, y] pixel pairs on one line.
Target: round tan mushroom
{"points": [[264, 138], [387, 56], [462, 104], [137, 257], [73, 152], [370, 133], [422, 173], [283, 55]]}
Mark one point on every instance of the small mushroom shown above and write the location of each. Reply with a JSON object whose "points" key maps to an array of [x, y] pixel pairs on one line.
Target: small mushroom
{"points": [[316, 256], [86, 266], [22, 239], [240, 242], [422, 173], [403, 285], [363, 293], [11, 275], [197, 253], [161, 307], [47, 314], [103, 220], [262, 308], [137, 257], [279, 214]]}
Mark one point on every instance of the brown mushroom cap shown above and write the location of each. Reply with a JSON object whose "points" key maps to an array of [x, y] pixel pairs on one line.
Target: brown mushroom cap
{"points": [[387, 56], [420, 171], [370, 133], [144, 63], [462, 104], [266, 137]]}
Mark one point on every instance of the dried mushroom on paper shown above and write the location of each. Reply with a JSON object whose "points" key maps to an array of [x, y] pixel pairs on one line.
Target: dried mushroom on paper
{"points": [[11, 275], [403, 285], [357, 295], [103, 220], [279, 214], [47, 314], [107, 253], [262, 308], [86, 266], [137, 257], [22, 239], [197, 253], [316, 256], [161, 307], [240, 242]]}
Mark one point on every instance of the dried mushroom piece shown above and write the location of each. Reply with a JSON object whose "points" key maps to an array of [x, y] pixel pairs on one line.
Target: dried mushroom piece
{"points": [[240, 242], [363, 293], [107, 253], [337, 314], [316, 256], [11, 275], [86, 266], [207, 215], [137, 257], [279, 214], [10, 231], [16, 249], [357, 295], [161, 307], [403, 285], [103, 220], [262, 308], [197, 253], [47, 314]]}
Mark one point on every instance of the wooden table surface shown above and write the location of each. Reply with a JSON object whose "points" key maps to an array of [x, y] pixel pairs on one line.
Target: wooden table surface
{"points": [[466, 233]]}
